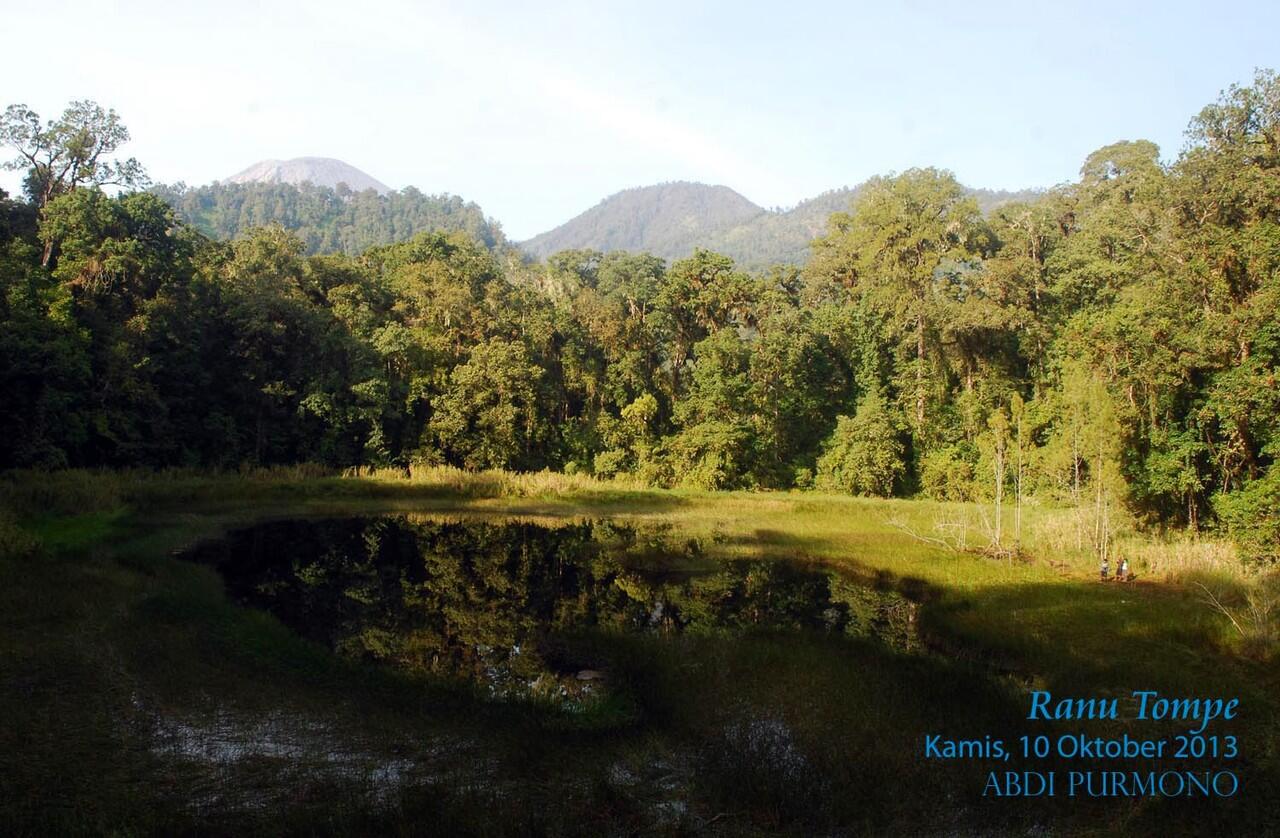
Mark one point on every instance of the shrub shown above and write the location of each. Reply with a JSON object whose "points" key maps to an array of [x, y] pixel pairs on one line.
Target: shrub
{"points": [[864, 455], [946, 475], [15, 542], [1251, 517]]}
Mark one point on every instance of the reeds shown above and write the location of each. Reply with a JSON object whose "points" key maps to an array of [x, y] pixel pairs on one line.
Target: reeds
{"points": [[497, 483]]}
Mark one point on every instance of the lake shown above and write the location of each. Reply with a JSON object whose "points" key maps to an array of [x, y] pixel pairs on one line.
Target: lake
{"points": [[516, 610]]}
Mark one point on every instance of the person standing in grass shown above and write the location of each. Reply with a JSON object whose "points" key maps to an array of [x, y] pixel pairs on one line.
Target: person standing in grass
{"points": [[1105, 570], [1122, 572]]}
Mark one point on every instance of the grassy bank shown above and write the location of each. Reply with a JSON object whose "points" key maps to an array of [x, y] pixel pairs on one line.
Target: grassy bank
{"points": [[131, 680]]}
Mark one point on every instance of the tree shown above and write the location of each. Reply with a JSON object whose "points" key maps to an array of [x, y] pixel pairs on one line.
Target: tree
{"points": [[1252, 517], [1021, 441], [489, 417], [898, 247], [865, 453], [797, 385], [122, 260], [630, 439], [997, 444], [330, 220], [72, 151], [699, 295], [44, 364], [1225, 193], [715, 444]]}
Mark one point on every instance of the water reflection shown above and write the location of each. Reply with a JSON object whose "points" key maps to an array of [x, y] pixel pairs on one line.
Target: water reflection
{"points": [[485, 601]]}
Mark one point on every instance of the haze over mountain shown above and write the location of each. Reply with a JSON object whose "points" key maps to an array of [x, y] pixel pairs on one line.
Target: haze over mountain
{"points": [[671, 220], [321, 171]]}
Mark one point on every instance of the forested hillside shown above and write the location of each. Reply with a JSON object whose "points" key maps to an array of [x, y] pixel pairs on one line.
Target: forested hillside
{"points": [[665, 219], [672, 220], [1114, 344], [328, 219]]}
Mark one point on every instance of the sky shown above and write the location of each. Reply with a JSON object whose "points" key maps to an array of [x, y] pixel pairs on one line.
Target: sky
{"points": [[537, 111]]}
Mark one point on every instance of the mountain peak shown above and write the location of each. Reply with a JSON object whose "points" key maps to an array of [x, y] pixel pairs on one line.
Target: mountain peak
{"points": [[321, 171]]}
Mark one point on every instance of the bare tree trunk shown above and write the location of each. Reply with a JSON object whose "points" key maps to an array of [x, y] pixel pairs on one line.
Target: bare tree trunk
{"points": [[999, 475], [1075, 490], [1101, 524], [920, 371], [1017, 488]]}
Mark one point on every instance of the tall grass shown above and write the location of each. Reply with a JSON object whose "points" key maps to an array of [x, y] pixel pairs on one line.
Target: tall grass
{"points": [[1251, 605], [495, 483], [1060, 533], [30, 492]]}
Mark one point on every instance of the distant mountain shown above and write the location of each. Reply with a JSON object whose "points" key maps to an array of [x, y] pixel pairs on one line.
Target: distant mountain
{"points": [[335, 207], [673, 219], [328, 219], [321, 171], [664, 219]]}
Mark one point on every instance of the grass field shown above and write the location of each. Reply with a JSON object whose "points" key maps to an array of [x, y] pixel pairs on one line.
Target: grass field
{"points": [[140, 700]]}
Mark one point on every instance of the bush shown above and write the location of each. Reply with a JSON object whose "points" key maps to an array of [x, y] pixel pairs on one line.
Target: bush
{"points": [[1251, 517], [15, 542], [711, 455], [864, 455], [610, 462], [946, 475]]}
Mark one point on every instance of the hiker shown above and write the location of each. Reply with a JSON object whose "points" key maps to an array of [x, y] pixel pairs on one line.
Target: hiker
{"points": [[1122, 572], [1105, 569]]}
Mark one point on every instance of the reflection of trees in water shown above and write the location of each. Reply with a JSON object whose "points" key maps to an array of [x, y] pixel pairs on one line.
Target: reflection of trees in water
{"points": [[479, 600]]}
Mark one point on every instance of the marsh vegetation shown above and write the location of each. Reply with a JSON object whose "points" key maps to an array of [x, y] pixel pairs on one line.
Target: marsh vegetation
{"points": [[284, 650]]}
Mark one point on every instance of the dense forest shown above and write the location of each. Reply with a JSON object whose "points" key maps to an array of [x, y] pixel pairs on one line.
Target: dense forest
{"points": [[328, 219], [1114, 343]]}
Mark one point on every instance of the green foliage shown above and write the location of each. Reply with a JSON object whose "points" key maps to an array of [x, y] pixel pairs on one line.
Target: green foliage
{"points": [[908, 250], [946, 474], [1251, 516], [865, 454], [712, 448], [631, 438], [65, 153], [329, 220], [489, 417], [43, 363]]}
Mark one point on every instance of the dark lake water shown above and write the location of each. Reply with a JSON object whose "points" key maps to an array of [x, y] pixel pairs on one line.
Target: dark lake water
{"points": [[491, 602]]}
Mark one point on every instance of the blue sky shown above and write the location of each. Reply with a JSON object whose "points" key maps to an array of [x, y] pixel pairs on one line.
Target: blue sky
{"points": [[538, 110]]}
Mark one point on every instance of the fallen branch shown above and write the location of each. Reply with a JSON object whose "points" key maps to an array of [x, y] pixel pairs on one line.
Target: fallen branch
{"points": [[939, 542], [1216, 603]]}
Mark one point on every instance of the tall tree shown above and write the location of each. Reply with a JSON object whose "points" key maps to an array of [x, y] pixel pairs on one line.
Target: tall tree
{"points": [[62, 154], [906, 239]]}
